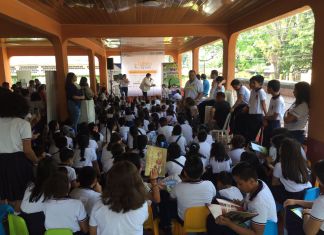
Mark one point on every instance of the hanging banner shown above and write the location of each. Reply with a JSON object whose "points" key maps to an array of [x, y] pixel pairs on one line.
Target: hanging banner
{"points": [[136, 65], [170, 74]]}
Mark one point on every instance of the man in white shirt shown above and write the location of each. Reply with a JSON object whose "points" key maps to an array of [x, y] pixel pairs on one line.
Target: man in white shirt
{"points": [[193, 87], [146, 85]]}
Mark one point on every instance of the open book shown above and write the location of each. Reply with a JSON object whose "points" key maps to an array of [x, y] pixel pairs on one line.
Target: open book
{"points": [[230, 210], [155, 158], [258, 148], [298, 211]]}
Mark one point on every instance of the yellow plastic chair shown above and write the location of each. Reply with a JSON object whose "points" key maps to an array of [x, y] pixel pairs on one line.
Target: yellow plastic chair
{"points": [[152, 223], [17, 225], [59, 231], [194, 221]]}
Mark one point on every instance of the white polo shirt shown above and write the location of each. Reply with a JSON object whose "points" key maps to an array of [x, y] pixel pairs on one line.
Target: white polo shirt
{"points": [[204, 150], [192, 194], [70, 173], [245, 92], [289, 185], [89, 155], [263, 204], [166, 131], [31, 207], [231, 193], [301, 112], [172, 168], [88, 197], [187, 132], [218, 166], [276, 105], [192, 89], [317, 212], [235, 155], [181, 142], [255, 106]]}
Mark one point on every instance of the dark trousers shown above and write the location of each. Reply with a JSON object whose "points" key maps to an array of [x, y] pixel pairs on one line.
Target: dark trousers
{"points": [[145, 95], [168, 209], [238, 123], [267, 132], [254, 125], [216, 229], [124, 90], [34, 222], [298, 135]]}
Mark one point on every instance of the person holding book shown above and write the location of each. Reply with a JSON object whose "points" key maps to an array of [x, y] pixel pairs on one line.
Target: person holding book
{"points": [[258, 200], [313, 211]]}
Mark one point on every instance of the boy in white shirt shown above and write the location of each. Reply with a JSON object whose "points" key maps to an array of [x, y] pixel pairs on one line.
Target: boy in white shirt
{"points": [[275, 111], [66, 157], [257, 107], [205, 147]]}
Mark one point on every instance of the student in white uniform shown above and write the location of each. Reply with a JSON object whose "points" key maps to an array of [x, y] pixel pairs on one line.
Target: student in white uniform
{"points": [[313, 213], [66, 157], [193, 87], [33, 202], [238, 147], [257, 107], [205, 147], [123, 208], [219, 160], [107, 157], [123, 129], [178, 138], [165, 129], [225, 188], [175, 160], [272, 119], [192, 191], [258, 199], [296, 117], [89, 191], [186, 128], [60, 211]]}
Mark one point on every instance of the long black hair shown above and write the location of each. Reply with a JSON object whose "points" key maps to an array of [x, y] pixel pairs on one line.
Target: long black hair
{"points": [[218, 152], [302, 93], [83, 143]]}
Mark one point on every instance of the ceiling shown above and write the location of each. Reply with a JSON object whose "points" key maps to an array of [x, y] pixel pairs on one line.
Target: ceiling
{"points": [[145, 11]]}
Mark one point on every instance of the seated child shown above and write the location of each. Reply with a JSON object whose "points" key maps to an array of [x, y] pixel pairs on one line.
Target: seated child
{"points": [[66, 157], [219, 160], [224, 184], [238, 144]]}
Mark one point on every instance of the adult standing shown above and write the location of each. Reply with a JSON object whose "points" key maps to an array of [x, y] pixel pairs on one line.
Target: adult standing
{"points": [[206, 84], [87, 105], [193, 87], [146, 84], [124, 82], [74, 96], [16, 153], [296, 116]]}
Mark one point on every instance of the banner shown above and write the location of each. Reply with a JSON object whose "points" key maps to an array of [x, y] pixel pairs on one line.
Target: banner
{"points": [[170, 74], [136, 65]]}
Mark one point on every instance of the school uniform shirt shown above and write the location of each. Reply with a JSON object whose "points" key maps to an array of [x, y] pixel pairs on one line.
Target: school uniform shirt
{"points": [[245, 92], [123, 131], [218, 166], [69, 142], [64, 213], [177, 96], [317, 212], [70, 173], [192, 194], [130, 138], [93, 144], [107, 160], [129, 118], [231, 193], [31, 207], [187, 132], [13, 131], [214, 90], [209, 139], [109, 222], [235, 155], [289, 185], [180, 140], [262, 203], [193, 88], [301, 112], [89, 155], [276, 105], [87, 196], [172, 119], [166, 131], [204, 150], [273, 153], [173, 168], [151, 137], [145, 125], [255, 106]]}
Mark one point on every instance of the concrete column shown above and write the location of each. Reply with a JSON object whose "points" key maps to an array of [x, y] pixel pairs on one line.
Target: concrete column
{"points": [[195, 59], [5, 75], [315, 141], [60, 48], [229, 53], [92, 71], [179, 63], [103, 71]]}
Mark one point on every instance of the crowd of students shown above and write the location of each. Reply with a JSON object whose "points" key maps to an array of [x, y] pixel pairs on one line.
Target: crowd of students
{"points": [[90, 178]]}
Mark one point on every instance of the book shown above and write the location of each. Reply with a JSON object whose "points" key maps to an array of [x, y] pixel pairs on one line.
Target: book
{"points": [[298, 211], [155, 158], [230, 210], [258, 148]]}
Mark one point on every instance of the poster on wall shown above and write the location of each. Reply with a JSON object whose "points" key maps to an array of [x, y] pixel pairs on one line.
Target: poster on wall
{"points": [[137, 64], [170, 74]]}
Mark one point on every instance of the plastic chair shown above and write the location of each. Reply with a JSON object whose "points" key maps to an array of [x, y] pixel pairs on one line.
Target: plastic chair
{"points": [[59, 231], [4, 211], [194, 221], [223, 135], [271, 228], [311, 194], [17, 225], [152, 223]]}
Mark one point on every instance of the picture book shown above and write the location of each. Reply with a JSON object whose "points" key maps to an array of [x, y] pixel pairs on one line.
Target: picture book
{"points": [[155, 158], [298, 211]]}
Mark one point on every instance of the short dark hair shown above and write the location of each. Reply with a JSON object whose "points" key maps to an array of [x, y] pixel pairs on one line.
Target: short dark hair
{"points": [[174, 151], [203, 76], [202, 135], [163, 121], [193, 167], [131, 157], [177, 130], [66, 154], [259, 79], [236, 82], [245, 171], [57, 186], [60, 141], [117, 149], [13, 105], [219, 79], [218, 151], [148, 75], [319, 170], [181, 118], [225, 178], [238, 141], [220, 94], [87, 176], [274, 85], [214, 72]]}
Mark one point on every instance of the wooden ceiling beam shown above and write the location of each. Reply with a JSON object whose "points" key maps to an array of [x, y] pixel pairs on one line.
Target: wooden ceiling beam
{"points": [[89, 44], [190, 45]]}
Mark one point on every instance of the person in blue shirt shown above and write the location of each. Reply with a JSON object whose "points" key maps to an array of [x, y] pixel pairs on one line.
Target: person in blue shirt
{"points": [[206, 84]]}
